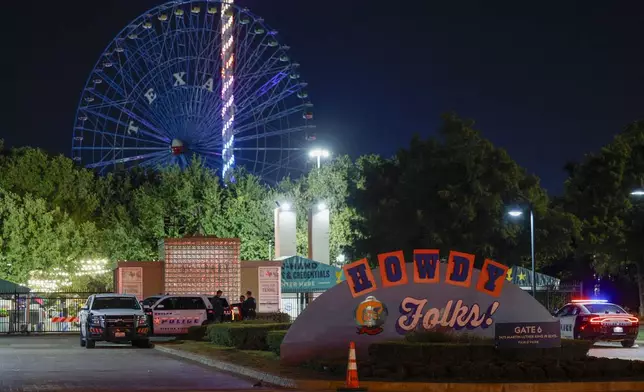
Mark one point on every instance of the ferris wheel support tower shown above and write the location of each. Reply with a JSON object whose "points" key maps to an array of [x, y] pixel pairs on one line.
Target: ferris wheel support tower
{"points": [[227, 82]]}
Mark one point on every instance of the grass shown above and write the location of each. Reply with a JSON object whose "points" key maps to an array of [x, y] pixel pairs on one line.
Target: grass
{"points": [[640, 335], [259, 360]]}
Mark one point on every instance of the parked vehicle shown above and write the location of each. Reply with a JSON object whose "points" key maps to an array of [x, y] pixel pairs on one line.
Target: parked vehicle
{"points": [[598, 320], [113, 318], [174, 314]]}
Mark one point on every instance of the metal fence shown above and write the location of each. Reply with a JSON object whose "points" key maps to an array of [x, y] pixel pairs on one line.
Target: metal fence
{"points": [[40, 312], [294, 303], [554, 297]]}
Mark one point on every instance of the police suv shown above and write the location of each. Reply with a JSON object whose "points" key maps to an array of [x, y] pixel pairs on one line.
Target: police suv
{"points": [[113, 318], [597, 320], [174, 314]]}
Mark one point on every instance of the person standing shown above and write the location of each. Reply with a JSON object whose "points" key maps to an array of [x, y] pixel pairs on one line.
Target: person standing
{"points": [[249, 307], [240, 307], [218, 307]]}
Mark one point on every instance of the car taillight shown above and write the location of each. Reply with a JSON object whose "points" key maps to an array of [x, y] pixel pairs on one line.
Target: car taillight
{"points": [[210, 311], [596, 319]]}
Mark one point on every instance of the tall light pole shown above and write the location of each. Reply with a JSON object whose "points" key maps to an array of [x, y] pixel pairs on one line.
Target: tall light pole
{"points": [[516, 213], [319, 153], [638, 193]]}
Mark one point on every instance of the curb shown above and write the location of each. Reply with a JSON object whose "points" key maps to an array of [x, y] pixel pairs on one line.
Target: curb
{"points": [[231, 368]]}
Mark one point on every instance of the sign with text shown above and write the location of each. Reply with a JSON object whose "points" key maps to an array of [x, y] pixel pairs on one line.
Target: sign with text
{"points": [[301, 275], [131, 281], [407, 293], [528, 335], [268, 300]]}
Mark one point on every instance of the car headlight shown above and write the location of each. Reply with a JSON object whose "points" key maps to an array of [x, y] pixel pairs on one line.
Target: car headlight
{"points": [[142, 320], [96, 320]]}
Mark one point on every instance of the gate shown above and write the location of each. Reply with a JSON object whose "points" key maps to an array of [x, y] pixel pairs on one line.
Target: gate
{"points": [[555, 297], [25, 313], [294, 303]]}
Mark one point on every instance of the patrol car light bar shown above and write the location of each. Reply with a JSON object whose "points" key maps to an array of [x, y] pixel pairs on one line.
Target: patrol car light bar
{"points": [[597, 301]]}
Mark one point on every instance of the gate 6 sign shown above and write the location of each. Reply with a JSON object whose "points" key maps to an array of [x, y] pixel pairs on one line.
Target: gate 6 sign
{"points": [[528, 335]]}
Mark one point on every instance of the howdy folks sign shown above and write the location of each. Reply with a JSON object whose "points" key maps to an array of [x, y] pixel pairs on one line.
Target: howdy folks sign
{"points": [[400, 297], [426, 270]]}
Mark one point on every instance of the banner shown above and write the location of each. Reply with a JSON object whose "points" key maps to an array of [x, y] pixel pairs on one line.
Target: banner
{"points": [[301, 275], [268, 298], [522, 277]]}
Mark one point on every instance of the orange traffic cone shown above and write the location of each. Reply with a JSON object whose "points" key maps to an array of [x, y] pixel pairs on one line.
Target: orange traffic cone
{"points": [[352, 383]]}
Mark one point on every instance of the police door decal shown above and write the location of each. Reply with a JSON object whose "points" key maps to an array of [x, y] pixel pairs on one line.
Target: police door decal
{"points": [[178, 318]]}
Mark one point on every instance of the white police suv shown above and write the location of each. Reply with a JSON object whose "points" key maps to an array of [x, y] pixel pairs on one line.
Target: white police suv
{"points": [[113, 318], [174, 314]]}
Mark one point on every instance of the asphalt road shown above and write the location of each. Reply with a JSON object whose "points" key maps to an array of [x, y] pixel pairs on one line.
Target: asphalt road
{"points": [[40, 363], [53, 363], [615, 350]]}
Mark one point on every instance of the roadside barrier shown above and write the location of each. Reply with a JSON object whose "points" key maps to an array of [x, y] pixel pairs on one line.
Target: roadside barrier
{"points": [[64, 319], [352, 383]]}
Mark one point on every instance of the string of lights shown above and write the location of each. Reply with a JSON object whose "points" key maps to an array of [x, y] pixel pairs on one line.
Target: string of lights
{"points": [[41, 281], [227, 78]]}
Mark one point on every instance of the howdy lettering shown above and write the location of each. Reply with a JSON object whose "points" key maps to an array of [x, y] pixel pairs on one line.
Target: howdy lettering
{"points": [[454, 315], [426, 269]]}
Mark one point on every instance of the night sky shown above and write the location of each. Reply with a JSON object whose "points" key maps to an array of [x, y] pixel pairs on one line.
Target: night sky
{"points": [[548, 82]]}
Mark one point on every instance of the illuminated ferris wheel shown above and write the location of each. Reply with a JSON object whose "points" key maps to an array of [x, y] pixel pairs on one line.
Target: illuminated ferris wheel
{"points": [[187, 79]]}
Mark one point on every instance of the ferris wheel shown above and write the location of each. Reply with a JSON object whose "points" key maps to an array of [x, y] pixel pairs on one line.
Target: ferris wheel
{"points": [[188, 79]]}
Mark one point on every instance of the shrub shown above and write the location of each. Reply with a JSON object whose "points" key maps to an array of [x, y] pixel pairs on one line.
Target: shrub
{"points": [[197, 332], [416, 351], [478, 359], [243, 336], [276, 317], [274, 340], [439, 336]]}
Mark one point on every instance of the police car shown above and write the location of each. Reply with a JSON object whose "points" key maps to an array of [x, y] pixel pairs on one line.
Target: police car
{"points": [[597, 320], [174, 314]]}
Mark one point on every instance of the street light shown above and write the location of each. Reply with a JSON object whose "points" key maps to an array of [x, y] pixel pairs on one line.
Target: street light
{"points": [[515, 213], [319, 153], [637, 192]]}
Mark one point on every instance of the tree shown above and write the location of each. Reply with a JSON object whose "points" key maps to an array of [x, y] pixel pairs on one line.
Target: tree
{"points": [[331, 184], [598, 192], [56, 180], [141, 209], [35, 237], [121, 236], [452, 192]]}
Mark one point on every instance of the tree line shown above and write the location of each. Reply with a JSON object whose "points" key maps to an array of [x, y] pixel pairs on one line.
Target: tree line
{"points": [[449, 191]]}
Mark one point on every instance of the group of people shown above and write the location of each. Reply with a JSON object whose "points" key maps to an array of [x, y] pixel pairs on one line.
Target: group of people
{"points": [[247, 305]]}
